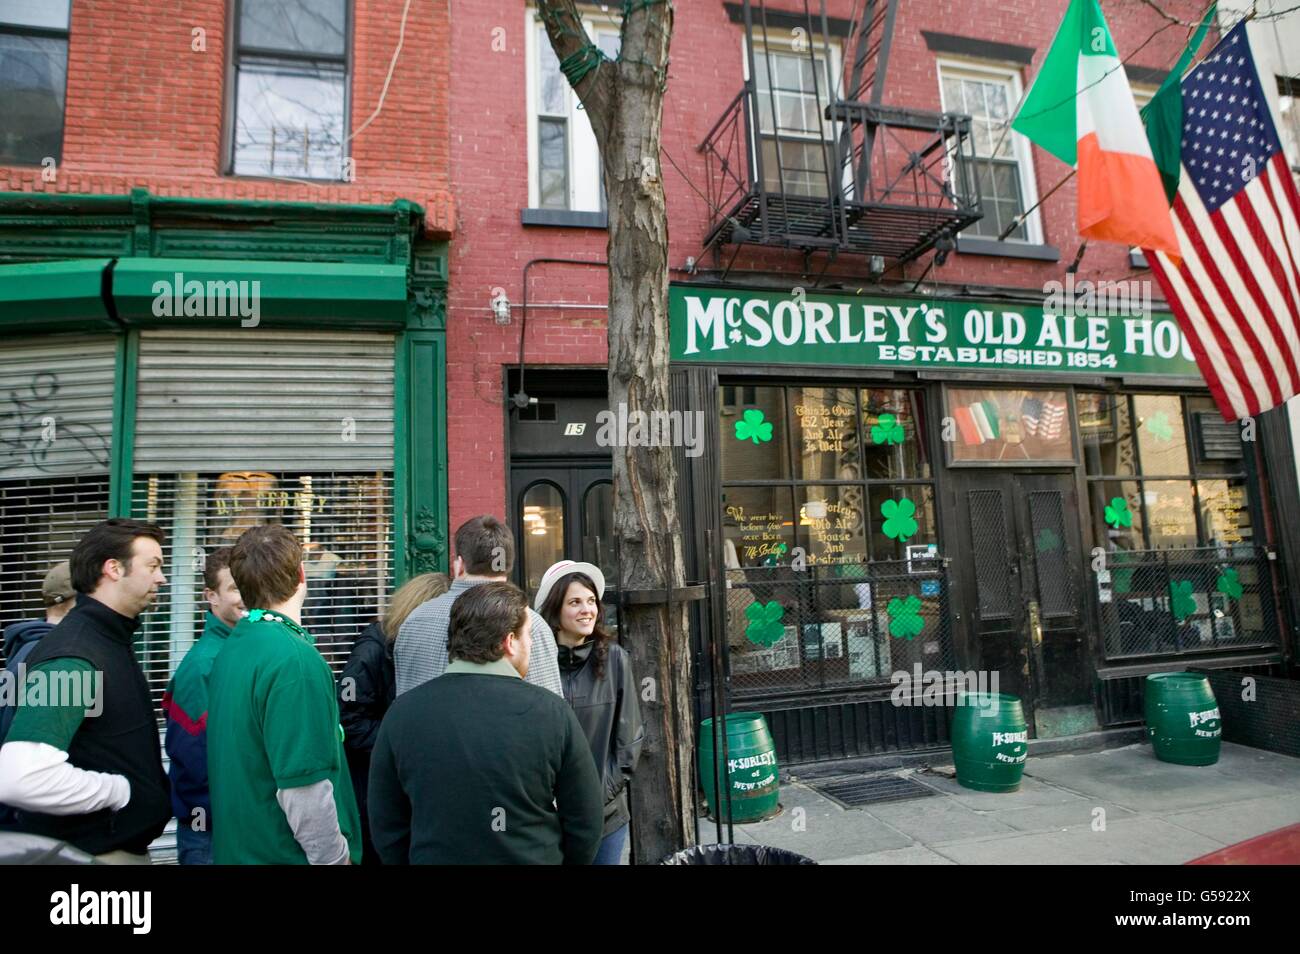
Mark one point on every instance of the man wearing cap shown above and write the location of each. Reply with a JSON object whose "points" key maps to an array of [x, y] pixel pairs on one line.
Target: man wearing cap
{"points": [[485, 552], [21, 638]]}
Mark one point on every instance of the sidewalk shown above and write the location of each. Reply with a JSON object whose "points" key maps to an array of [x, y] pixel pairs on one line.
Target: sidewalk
{"points": [[1154, 813]]}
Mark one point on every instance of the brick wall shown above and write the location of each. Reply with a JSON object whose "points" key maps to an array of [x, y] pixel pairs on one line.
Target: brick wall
{"points": [[144, 108], [490, 169]]}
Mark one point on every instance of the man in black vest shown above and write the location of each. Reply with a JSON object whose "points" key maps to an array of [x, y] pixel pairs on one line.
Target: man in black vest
{"points": [[81, 762]]}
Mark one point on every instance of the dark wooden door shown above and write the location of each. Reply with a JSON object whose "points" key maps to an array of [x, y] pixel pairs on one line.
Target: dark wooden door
{"points": [[1020, 581]]}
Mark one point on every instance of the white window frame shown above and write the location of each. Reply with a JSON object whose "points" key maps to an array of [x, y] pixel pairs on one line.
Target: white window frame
{"points": [[1020, 146], [583, 160], [783, 44]]}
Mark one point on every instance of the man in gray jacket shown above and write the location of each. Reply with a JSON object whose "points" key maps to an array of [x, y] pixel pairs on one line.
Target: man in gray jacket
{"points": [[485, 552]]}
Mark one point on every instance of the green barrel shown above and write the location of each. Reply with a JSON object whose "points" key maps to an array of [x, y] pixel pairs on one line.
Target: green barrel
{"points": [[751, 768], [1183, 718], [990, 741]]}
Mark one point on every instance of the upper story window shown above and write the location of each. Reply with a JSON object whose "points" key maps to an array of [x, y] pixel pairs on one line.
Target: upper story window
{"points": [[33, 79], [291, 88], [1003, 164], [792, 86], [1288, 108], [564, 170]]}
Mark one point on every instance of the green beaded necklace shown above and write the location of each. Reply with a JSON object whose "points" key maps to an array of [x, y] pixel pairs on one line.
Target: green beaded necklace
{"points": [[261, 615]]}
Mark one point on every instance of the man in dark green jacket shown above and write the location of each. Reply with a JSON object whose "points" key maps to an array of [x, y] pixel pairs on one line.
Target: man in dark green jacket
{"points": [[478, 766]]}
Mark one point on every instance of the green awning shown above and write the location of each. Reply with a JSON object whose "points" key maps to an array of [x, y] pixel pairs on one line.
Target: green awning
{"points": [[66, 293], [155, 291]]}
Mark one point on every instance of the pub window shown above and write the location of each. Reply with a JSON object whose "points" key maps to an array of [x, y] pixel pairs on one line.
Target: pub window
{"points": [[291, 89], [830, 544], [1003, 162], [33, 79], [563, 158], [1170, 502]]}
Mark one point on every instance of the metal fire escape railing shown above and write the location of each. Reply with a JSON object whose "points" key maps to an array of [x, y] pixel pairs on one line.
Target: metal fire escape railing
{"points": [[804, 158]]}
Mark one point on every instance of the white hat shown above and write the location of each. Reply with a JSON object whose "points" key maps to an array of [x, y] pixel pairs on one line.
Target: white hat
{"points": [[563, 568]]}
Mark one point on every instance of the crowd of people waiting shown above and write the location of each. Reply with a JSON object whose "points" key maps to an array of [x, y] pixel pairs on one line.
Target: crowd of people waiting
{"points": [[466, 728]]}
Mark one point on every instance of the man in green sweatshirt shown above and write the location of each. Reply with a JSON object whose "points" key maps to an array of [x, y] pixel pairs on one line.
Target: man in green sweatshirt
{"points": [[478, 766]]}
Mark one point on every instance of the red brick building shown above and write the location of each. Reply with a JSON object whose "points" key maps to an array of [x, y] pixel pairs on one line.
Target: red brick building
{"points": [[1072, 642], [282, 173]]}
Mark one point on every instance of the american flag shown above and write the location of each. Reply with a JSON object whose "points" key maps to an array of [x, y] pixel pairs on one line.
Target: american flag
{"points": [[1043, 419], [1237, 218]]}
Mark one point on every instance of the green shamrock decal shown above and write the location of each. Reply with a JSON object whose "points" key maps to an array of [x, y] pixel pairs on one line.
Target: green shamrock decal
{"points": [[887, 430], [1229, 584], [1160, 427], [1117, 512], [1182, 604], [905, 620], [1047, 540], [764, 627], [753, 427], [899, 522]]}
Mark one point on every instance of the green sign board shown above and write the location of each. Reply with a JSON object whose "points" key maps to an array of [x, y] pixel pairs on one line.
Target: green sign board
{"points": [[1101, 333]]}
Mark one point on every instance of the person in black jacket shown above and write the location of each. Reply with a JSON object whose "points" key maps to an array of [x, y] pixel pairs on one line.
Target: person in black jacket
{"points": [[478, 766], [599, 685], [367, 688], [85, 765]]}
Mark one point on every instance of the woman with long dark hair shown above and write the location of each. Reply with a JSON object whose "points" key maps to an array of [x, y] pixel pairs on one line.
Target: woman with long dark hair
{"points": [[598, 683]]}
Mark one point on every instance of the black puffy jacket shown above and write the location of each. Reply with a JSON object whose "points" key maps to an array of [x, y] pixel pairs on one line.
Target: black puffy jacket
{"points": [[367, 688], [610, 716]]}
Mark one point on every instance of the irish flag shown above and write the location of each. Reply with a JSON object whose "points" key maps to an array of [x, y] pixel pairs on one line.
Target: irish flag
{"points": [[1081, 110]]}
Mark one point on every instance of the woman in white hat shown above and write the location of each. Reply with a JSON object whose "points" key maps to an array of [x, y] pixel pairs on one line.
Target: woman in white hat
{"points": [[598, 683]]}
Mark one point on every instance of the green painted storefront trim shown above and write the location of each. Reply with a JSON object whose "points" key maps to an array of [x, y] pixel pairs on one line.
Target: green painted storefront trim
{"points": [[122, 446], [319, 265], [66, 294], [164, 291]]}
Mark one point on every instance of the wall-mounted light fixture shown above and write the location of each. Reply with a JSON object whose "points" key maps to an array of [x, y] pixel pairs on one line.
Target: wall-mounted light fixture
{"points": [[501, 308]]}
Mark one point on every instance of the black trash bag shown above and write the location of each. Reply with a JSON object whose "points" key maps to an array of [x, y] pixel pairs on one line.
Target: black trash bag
{"points": [[736, 855], [20, 848]]}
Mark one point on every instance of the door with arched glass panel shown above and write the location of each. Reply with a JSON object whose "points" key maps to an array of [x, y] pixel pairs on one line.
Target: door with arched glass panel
{"points": [[563, 513]]}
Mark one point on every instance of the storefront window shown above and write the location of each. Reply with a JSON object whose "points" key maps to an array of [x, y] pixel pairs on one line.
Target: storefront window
{"points": [[831, 524], [833, 576], [757, 526], [1183, 572], [891, 419], [1106, 434], [343, 520], [824, 430], [1162, 439], [753, 432], [1001, 426]]}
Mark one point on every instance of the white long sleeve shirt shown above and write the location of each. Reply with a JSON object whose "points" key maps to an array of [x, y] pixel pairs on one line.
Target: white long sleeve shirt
{"points": [[37, 777]]}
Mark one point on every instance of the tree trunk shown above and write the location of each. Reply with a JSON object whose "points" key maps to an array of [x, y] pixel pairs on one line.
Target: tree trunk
{"points": [[624, 102]]}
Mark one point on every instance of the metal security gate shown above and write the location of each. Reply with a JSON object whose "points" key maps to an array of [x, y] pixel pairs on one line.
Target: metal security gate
{"points": [[240, 428], [56, 430]]}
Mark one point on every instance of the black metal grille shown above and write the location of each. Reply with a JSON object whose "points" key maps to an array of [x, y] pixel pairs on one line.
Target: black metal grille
{"points": [[1051, 554], [1269, 715], [41, 519], [836, 626], [1169, 602], [855, 791], [988, 530]]}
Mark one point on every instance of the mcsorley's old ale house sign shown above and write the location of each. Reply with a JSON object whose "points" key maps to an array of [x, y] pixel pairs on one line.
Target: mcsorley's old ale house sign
{"points": [[1070, 332]]}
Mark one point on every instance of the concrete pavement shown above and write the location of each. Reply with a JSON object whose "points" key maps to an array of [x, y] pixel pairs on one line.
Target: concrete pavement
{"points": [[1116, 806]]}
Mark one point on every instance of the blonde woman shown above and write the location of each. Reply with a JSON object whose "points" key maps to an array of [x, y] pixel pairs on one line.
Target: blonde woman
{"points": [[367, 687]]}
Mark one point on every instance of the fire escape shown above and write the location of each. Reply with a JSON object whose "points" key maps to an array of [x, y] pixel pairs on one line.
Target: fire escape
{"points": [[809, 157]]}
